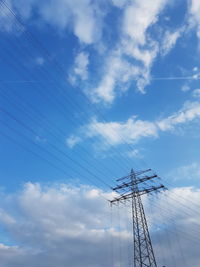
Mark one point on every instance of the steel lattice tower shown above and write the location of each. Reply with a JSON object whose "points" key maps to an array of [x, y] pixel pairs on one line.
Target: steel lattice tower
{"points": [[131, 188]]}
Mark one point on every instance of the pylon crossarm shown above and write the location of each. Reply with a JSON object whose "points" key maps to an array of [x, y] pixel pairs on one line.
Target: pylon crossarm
{"points": [[137, 193], [136, 173], [121, 198], [136, 182], [151, 189]]}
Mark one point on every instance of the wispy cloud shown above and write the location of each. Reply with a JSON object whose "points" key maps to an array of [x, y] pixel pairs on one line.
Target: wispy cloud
{"points": [[80, 68], [187, 172], [185, 88], [135, 153], [195, 76], [39, 61], [189, 112], [118, 73], [7, 23], [134, 129], [116, 133], [133, 56], [194, 13], [72, 140], [127, 62], [169, 40], [196, 93]]}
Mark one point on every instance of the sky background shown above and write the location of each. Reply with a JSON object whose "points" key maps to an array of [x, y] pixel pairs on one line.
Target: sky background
{"points": [[89, 90]]}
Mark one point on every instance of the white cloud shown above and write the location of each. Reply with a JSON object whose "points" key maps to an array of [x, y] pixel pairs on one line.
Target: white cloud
{"points": [[139, 16], [196, 93], [133, 56], [62, 223], [188, 172], [120, 3], [72, 140], [175, 213], [176, 201], [7, 21], [130, 61], [81, 65], [185, 88], [80, 69], [82, 16], [132, 130], [135, 153], [40, 139], [118, 73], [194, 11], [116, 132], [196, 76], [189, 112], [169, 41]]}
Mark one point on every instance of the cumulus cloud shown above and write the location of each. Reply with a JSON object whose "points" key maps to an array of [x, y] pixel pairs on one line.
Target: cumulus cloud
{"points": [[61, 223], [81, 16], [175, 213]]}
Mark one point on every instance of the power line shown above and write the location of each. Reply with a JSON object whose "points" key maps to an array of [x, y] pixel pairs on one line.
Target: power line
{"points": [[56, 138], [117, 162], [62, 72], [58, 159]]}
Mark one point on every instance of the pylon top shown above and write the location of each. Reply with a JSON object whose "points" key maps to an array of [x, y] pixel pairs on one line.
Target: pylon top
{"points": [[125, 188]]}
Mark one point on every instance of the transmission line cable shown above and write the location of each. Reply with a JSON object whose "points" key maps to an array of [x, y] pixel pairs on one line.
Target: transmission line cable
{"points": [[72, 121], [47, 53], [58, 159], [51, 133]]}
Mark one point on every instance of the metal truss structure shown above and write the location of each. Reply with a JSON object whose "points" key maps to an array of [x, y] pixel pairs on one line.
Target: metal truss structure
{"points": [[131, 188]]}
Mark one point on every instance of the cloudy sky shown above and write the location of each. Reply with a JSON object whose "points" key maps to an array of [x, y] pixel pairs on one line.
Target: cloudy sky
{"points": [[89, 90]]}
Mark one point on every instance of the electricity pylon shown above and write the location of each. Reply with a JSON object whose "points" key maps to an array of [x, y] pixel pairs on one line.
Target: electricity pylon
{"points": [[131, 188]]}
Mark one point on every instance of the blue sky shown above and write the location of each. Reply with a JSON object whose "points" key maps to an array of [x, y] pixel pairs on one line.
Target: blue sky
{"points": [[91, 89]]}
